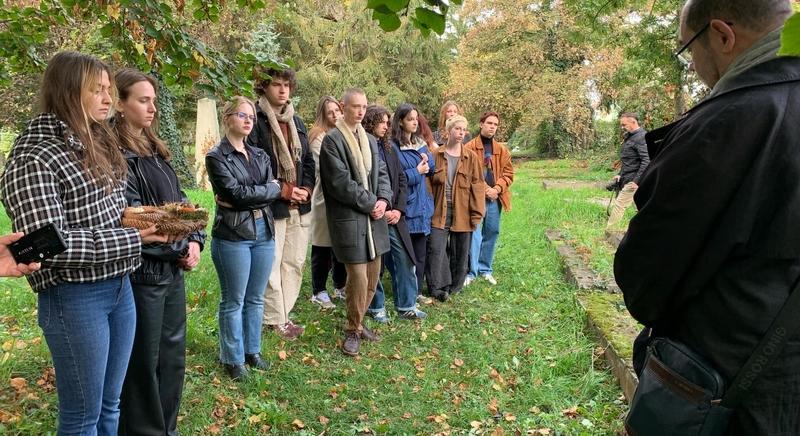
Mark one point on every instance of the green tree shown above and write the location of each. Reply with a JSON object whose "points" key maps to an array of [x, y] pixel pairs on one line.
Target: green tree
{"points": [[335, 46]]}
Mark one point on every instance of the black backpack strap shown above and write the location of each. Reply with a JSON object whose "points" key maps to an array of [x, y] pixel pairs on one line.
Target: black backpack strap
{"points": [[785, 325]]}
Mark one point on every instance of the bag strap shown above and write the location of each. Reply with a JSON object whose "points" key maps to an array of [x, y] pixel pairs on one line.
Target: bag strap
{"points": [[771, 345]]}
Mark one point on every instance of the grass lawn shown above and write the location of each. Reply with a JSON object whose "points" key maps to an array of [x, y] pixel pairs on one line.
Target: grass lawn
{"points": [[492, 359]]}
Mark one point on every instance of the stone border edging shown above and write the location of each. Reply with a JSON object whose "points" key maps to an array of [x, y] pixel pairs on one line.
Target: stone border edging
{"points": [[572, 184], [581, 276]]}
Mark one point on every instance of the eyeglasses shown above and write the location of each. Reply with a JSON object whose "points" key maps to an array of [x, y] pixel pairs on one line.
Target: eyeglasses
{"points": [[243, 116], [685, 58]]}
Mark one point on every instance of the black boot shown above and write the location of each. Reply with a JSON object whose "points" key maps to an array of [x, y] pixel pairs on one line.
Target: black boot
{"points": [[236, 372], [256, 361]]}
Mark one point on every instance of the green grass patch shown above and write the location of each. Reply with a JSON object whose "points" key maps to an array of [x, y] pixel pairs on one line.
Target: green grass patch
{"points": [[513, 356]]}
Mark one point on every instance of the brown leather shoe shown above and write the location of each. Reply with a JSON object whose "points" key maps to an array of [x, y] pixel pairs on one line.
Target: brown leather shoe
{"points": [[351, 344], [369, 335]]}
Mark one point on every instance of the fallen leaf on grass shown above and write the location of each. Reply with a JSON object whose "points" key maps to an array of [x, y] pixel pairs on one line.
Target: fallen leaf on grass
{"points": [[324, 420], [8, 418], [571, 413], [540, 431], [458, 362], [407, 415], [493, 408], [254, 419], [214, 429], [438, 327], [498, 432], [19, 384], [438, 418], [298, 424], [282, 355], [475, 424], [535, 410], [423, 336], [509, 417]]}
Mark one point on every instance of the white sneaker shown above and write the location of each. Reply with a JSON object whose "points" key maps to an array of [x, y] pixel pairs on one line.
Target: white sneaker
{"points": [[339, 293], [489, 278], [468, 280], [324, 300], [421, 299]]}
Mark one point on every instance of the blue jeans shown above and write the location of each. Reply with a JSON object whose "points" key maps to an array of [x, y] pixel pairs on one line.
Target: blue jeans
{"points": [[243, 268], [404, 277], [89, 329], [484, 241]]}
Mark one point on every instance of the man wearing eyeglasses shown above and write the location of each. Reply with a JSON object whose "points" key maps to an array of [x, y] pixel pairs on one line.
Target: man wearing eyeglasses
{"points": [[634, 158], [714, 251], [499, 175]]}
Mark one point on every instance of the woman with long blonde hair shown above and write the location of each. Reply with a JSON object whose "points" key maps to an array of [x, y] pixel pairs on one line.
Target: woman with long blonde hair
{"points": [[449, 109], [66, 169], [323, 260]]}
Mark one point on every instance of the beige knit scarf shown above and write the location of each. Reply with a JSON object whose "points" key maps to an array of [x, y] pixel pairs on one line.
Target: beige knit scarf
{"points": [[286, 160], [362, 155]]}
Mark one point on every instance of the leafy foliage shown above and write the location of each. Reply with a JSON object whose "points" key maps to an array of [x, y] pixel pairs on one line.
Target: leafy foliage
{"points": [[430, 16], [336, 46], [528, 66], [790, 39], [148, 34]]}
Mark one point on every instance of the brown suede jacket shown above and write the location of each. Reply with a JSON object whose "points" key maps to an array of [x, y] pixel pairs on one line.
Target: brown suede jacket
{"points": [[469, 192], [501, 167]]}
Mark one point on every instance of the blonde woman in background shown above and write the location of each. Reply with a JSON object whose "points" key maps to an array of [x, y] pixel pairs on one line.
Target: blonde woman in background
{"points": [[323, 260]]}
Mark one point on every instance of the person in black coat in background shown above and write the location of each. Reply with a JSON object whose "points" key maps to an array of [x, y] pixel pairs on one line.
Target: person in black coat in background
{"points": [[634, 158], [151, 394], [357, 194], [714, 251]]}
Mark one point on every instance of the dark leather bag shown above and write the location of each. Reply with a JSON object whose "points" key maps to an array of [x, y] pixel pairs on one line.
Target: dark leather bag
{"points": [[681, 393]]}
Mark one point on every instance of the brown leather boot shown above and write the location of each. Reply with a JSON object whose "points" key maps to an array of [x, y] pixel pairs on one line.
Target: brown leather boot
{"points": [[369, 335], [351, 344]]}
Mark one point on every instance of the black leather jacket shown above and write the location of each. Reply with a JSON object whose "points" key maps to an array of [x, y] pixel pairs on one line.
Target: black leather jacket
{"points": [[159, 261], [233, 184]]}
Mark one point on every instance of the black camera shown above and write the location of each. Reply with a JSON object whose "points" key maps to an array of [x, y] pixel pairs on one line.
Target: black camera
{"points": [[614, 185], [38, 245]]}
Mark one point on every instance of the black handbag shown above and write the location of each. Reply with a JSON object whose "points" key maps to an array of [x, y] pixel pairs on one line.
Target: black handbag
{"points": [[681, 393]]}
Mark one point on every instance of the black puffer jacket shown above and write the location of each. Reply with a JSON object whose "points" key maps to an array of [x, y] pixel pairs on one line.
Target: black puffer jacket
{"points": [[634, 157], [233, 184], [152, 182]]}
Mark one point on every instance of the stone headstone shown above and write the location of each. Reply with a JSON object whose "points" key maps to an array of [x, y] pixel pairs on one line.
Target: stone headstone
{"points": [[206, 136]]}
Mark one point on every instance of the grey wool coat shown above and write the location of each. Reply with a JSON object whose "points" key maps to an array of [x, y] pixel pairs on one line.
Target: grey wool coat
{"points": [[349, 204]]}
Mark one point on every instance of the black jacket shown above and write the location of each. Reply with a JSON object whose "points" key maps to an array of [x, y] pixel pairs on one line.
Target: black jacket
{"points": [[634, 157], [714, 250], [397, 178], [348, 205], [159, 261], [232, 183], [261, 137]]}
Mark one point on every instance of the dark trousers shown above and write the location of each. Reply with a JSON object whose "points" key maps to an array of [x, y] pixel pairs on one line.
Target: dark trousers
{"points": [[448, 260], [419, 242], [322, 262], [151, 395]]}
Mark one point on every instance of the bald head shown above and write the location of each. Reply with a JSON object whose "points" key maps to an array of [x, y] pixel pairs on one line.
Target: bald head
{"points": [[757, 16]]}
